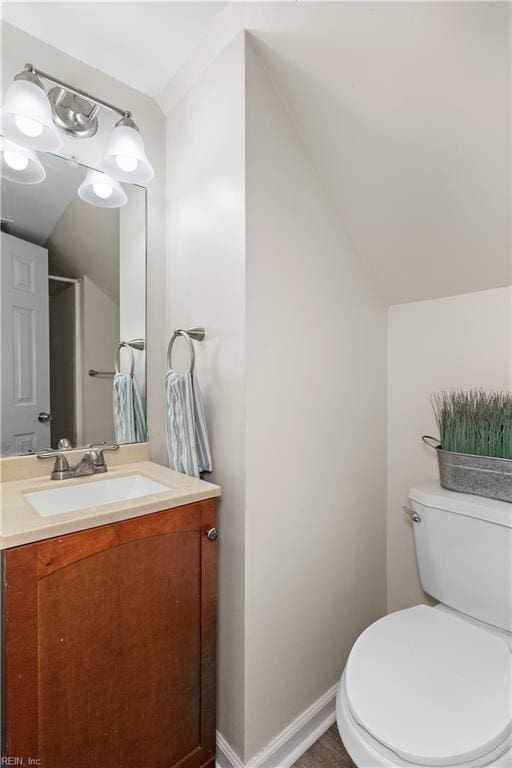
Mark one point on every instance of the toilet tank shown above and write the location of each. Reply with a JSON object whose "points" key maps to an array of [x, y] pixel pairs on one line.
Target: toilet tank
{"points": [[464, 551]]}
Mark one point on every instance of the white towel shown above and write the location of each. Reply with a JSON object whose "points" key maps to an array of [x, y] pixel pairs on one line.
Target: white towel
{"points": [[187, 435], [129, 419]]}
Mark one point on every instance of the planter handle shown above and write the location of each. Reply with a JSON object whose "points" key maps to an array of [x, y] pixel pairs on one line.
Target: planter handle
{"points": [[435, 441]]}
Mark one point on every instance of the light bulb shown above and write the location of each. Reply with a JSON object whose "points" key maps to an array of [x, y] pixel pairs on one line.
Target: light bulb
{"points": [[28, 126], [15, 160], [125, 158], [20, 164], [127, 163], [102, 190]]}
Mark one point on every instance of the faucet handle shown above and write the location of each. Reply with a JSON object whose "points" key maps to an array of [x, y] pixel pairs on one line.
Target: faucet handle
{"points": [[49, 454], [61, 463], [97, 457], [103, 446]]}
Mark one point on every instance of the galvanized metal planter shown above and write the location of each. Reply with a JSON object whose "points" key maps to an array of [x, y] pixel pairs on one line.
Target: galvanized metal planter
{"points": [[478, 475]]}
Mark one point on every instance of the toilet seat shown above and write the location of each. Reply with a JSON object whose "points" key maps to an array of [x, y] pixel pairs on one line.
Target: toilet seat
{"points": [[432, 689]]}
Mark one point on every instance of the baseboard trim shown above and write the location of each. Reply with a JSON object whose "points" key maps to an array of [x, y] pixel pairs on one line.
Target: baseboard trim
{"points": [[226, 756], [290, 744]]}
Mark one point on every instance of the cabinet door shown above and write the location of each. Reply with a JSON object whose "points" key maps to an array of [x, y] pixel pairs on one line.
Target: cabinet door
{"points": [[109, 645]]}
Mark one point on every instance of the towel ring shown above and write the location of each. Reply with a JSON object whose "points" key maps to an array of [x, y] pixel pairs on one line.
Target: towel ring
{"points": [[185, 335], [118, 357]]}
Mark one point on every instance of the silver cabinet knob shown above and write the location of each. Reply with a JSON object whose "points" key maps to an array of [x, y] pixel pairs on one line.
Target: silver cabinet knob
{"points": [[44, 417], [212, 534]]}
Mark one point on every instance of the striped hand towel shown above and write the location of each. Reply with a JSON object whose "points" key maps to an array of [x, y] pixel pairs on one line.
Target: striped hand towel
{"points": [[129, 419], [187, 436]]}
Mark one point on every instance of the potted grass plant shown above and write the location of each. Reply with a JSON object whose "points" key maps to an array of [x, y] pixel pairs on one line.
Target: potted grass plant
{"points": [[475, 445]]}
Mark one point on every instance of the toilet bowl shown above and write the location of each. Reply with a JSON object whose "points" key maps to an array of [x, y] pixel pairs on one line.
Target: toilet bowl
{"points": [[425, 687], [433, 686]]}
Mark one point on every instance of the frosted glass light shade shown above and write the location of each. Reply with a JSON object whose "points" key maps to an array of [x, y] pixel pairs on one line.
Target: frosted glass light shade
{"points": [[26, 117], [20, 164], [125, 158], [101, 190]]}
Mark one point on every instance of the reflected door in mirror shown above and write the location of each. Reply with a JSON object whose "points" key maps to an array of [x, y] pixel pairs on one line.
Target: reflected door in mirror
{"points": [[25, 343]]}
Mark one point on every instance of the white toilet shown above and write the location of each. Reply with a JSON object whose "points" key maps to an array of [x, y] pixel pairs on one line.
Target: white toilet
{"points": [[433, 686]]}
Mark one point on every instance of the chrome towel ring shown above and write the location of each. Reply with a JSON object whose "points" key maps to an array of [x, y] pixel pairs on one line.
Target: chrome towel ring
{"points": [[118, 357], [197, 334]]}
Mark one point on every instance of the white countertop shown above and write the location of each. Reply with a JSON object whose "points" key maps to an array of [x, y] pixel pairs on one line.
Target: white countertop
{"points": [[21, 524]]}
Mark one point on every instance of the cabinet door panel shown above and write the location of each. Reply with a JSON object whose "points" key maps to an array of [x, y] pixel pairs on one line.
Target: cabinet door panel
{"points": [[124, 673]]}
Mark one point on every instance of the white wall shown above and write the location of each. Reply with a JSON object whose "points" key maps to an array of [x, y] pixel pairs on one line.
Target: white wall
{"points": [[205, 286], [63, 368], [291, 322], [85, 241], [99, 334], [462, 341], [132, 276], [406, 110], [18, 48], [316, 440]]}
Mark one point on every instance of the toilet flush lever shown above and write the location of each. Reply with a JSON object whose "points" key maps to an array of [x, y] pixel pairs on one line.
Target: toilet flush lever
{"points": [[411, 514]]}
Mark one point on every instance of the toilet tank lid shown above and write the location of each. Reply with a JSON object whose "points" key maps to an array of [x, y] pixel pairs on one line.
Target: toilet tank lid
{"points": [[489, 510]]}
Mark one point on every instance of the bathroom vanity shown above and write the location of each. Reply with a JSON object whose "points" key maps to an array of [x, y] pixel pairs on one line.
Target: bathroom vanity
{"points": [[109, 625], [108, 591]]}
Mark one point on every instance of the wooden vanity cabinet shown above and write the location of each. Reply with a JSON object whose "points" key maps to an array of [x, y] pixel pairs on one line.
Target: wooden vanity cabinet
{"points": [[109, 645]]}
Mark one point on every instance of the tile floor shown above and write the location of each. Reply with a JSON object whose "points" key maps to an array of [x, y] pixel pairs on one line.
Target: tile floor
{"points": [[327, 752]]}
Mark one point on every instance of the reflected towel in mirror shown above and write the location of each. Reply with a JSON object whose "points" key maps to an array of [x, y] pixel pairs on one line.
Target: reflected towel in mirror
{"points": [[129, 419]]}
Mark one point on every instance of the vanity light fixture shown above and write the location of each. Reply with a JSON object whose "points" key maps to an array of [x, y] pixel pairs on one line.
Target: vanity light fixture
{"points": [[27, 115], [101, 190], [125, 157], [36, 119], [20, 164]]}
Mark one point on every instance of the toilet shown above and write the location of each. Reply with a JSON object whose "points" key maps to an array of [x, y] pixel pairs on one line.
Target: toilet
{"points": [[432, 686]]}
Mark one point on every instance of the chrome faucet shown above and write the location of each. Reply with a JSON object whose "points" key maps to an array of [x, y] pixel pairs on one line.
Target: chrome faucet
{"points": [[91, 463]]}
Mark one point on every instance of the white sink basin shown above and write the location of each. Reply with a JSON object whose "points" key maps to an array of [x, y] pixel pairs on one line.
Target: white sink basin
{"points": [[70, 498]]}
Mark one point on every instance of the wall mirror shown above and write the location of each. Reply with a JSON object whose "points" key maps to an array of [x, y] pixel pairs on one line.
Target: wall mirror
{"points": [[73, 296]]}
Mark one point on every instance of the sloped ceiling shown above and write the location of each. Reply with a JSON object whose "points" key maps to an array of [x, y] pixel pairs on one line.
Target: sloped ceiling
{"points": [[141, 44], [34, 209], [405, 111]]}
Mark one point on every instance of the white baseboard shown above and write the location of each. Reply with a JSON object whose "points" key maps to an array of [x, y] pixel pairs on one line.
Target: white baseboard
{"points": [[226, 756], [290, 744]]}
